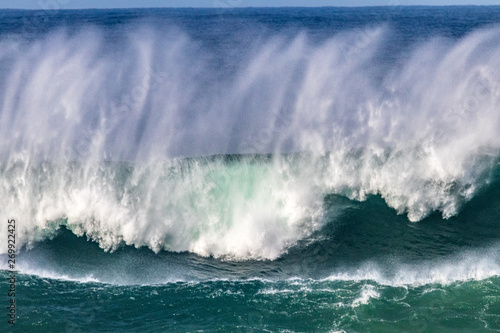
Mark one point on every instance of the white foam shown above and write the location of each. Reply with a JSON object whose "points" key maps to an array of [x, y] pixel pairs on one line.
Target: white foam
{"points": [[47, 274], [478, 265], [367, 293]]}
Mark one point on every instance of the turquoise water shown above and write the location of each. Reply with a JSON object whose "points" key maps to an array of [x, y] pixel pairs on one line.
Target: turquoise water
{"points": [[259, 305], [252, 170]]}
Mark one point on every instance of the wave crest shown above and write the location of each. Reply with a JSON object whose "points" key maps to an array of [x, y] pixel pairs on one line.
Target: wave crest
{"points": [[422, 133]]}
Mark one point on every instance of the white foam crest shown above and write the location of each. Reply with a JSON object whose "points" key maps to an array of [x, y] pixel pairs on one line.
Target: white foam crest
{"points": [[367, 293], [47, 274], [422, 134], [236, 210], [477, 266], [425, 136]]}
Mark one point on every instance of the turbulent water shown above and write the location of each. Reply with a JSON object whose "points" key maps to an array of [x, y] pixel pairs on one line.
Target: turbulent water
{"points": [[292, 170]]}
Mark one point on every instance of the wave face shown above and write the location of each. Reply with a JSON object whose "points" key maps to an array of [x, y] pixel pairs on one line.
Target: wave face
{"points": [[99, 117]]}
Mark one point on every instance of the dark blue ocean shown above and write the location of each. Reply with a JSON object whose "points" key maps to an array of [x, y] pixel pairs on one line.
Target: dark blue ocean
{"points": [[250, 170]]}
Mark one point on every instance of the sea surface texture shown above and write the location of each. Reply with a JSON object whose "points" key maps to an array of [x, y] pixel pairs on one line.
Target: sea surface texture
{"points": [[251, 170]]}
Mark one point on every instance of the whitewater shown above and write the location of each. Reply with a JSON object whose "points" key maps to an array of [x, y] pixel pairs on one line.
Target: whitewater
{"points": [[427, 146]]}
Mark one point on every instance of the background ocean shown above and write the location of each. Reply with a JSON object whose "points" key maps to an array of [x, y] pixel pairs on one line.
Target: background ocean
{"points": [[252, 170]]}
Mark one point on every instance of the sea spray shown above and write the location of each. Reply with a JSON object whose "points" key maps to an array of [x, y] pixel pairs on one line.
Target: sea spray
{"points": [[422, 133]]}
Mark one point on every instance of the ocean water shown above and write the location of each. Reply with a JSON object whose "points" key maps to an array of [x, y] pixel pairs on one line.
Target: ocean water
{"points": [[251, 170]]}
